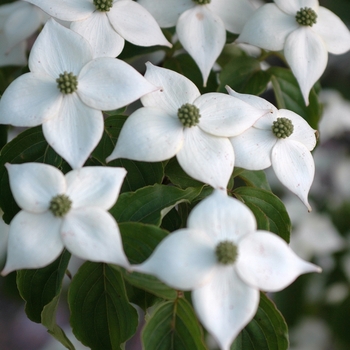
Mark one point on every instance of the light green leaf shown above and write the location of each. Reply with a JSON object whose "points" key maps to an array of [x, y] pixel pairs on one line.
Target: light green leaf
{"points": [[173, 326], [48, 317], [39, 287], [101, 315], [267, 331], [150, 204], [268, 209]]}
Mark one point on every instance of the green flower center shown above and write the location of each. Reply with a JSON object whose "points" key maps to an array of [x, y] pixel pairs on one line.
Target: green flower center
{"points": [[282, 128], [103, 5], [67, 83], [189, 115], [60, 205], [306, 16], [202, 2], [226, 252]]}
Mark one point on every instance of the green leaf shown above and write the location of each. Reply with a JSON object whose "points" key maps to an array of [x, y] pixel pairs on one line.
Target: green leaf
{"points": [[252, 178], [267, 331], [139, 242], [101, 315], [269, 211], [150, 204], [139, 174], [288, 96], [243, 74], [48, 318], [3, 135], [185, 65], [178, 177], [39, 287], [173, 326], [28, 146]]}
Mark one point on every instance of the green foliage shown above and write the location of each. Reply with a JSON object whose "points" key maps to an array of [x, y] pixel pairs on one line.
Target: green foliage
{"points": [[266, 331], [173, 326], [101, 316], [268, 209], [288, 96]]}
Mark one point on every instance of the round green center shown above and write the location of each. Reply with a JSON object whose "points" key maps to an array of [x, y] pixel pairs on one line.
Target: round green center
{"points": [[282, 128], [189, 115], [202, 2], [226, 252], [103, 5], [60, 205], [67, 83], [306, 16]]}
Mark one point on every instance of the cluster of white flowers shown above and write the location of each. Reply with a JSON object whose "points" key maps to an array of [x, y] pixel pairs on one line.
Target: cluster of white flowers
{"points": [[74, 76]]}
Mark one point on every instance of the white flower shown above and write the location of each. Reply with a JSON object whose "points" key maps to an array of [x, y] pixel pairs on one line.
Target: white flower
{"points": [[71, 117], [156, 133], [107, 27], [225, 261], [304, 30], [63, 211], [201, 25], [18, 21], [287, 148]]}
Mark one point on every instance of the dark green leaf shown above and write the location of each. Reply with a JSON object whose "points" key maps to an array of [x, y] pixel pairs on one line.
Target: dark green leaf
{"points": [[173, 326], [268, 209], [139, 174], [267, 331], [243, 74], [150, 204], [101, 315], [252, 178], [39, 287], [3, 135], [139, 241], [288, 96], [178, 176], [28, 146], [185, 65]]}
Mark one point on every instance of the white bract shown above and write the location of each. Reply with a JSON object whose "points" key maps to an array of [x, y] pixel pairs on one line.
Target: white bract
{"points": [[105, 24], [225, 261], [304, 30], [18, 21], [177, 120], [201, 25], [287, 150], [63, 211], [66, 91]]}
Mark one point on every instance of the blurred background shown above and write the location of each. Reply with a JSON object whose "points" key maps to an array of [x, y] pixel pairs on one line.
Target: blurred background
{"points": [[316, 306]]}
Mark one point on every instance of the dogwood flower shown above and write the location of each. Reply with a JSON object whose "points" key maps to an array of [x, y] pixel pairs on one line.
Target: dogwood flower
{"points": [[201, 25], [304, 30], [225, 261], [66, 91], [18, 21], [106, 23], [280, 138], [63, 211], [177, 120]]}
